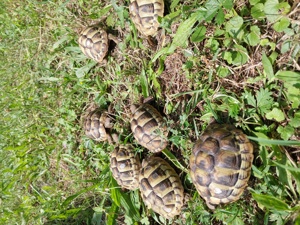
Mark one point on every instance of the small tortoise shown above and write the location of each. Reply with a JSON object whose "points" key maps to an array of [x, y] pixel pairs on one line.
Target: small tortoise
{"points": [[95, 125], [145, 13], [160, 187], [125, 167], [221, 164], [148, 127], [94, 42]]}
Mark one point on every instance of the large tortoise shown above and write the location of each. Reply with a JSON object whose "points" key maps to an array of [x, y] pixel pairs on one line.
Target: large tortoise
{"points": [[221, 164]]}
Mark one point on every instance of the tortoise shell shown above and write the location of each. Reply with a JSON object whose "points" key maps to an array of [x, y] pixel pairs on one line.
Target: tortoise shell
{"points": [[93, 42], [148, 128], [125, 167], [221, 164], [160, 187], [145, 13], [95, 125]]}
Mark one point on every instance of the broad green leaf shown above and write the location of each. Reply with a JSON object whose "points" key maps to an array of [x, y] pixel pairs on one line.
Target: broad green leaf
{"points": [[274, 10], [253, 38], [286, 46], [271, 10], [223, 71], [237, 57], [275, 114], [281, 25], [257, 173], [286, 131], [270, 202], [257, 11], [182, 35], [220, 18], [249, 98], [288, 76], [233, 27], [295, 122], [212, 44], [292, 93], [145, 221], [212, 7], [228, 4], [265, 42], [273, 57], [199, 34], [227, 56], [185, 29], [264, 100], [268, 69], [174, 4]]}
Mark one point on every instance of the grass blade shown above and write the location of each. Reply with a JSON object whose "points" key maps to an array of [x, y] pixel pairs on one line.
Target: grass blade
{"points": [[174, 160], [264, 141]]}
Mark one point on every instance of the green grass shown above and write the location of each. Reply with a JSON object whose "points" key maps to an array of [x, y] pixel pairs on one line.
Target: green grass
{"points": [[239, 63]]}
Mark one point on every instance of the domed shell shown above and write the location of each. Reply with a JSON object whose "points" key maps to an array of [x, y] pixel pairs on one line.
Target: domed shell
{"points": [[93, 42], [160, 187], [221, 164], [145, 13], [125, 167], [95, 123], [148, 128]]}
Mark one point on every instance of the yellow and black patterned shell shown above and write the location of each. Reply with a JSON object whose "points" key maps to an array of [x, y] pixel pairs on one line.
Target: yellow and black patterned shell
{"points": [[93, 42], [94, 125], [160, 187], [125, 167], [145, 13], [148, 128], [221, 164]]}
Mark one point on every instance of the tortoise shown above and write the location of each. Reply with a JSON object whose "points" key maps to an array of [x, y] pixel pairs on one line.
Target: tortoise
{"points": [[221, 163], [125, 166], [145, 13], [160, 187], [95, 124], [148, 127], [94, 41]]}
